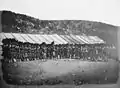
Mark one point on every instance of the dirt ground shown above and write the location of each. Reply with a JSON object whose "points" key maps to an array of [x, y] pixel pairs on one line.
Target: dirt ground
{"points": [[4, 85]]}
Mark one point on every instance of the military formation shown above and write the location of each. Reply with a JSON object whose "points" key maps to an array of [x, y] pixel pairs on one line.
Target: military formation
{"points": [[14, 50]]}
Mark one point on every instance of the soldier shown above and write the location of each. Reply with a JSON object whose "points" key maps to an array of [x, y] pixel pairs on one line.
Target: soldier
{"points": [[31, 51], [72, 52], [47, 51], [60, 51], [56, 51], [10, 50], [53, 53], [5, 48], [52, 49], [44, 50], [25, 51], [65, 51], [68, 50], [21, 51], [36, 47], [39, 52], [77, 52]]}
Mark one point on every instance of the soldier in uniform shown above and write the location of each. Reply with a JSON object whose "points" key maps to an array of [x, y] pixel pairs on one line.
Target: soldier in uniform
{"points": [[65, 51], [68, 50], [52, 50], [77, 51], [74, 51], [44, 50], [36, 51], [5, 48], [56, 51], [39, 53], [14, 50], [10, 50], [32, 52], [71, 51], [47, 51], [59, 51], [25, 51], [81, 52], [21, 53], [28, 50]]}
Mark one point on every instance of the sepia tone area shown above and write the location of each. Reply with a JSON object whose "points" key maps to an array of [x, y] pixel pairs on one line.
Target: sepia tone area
{"points": [[24, 24]]}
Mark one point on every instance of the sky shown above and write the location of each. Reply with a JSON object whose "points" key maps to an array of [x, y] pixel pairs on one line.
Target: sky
{"points": [[107, 11]]}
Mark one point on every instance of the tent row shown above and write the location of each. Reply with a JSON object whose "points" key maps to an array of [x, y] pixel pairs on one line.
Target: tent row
{"points": [[58, 39]]}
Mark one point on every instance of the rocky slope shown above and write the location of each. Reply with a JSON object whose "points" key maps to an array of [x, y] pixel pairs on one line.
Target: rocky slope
{"points": [[14, 22]]}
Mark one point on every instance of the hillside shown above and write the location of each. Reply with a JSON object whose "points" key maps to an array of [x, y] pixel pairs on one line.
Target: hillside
{"points": [[26, 24], [14, 22]]}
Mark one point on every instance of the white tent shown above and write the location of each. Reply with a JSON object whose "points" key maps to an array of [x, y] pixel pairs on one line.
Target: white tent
{"points": [[57, 39]]}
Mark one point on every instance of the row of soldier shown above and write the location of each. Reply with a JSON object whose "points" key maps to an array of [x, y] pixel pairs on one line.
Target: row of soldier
{"points": [[19, 51]]}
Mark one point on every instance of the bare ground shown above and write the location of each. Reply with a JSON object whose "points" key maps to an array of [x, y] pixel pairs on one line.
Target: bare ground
{"points": [[4, 85]]}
